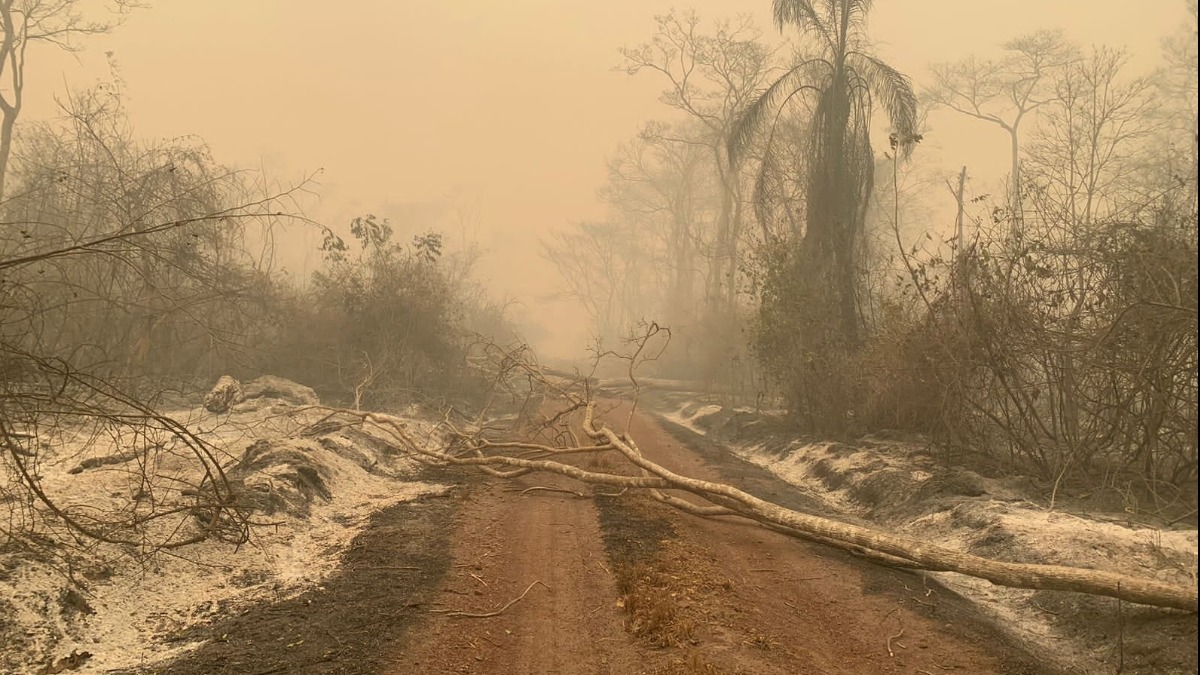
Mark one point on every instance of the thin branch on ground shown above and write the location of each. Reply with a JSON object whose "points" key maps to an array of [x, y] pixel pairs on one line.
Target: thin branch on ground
{"points": [[488, 615], [552, 489]]}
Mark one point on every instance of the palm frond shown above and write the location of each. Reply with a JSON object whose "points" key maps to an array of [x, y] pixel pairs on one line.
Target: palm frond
{"points": [[800, 13], [892, 89], [754, 117], [764, 193], [858, 10], [803, 15], [771, 201], [823, 19]]}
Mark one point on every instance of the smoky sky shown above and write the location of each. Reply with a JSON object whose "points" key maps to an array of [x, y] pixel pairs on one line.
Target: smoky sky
{"points": [[514, 103]]}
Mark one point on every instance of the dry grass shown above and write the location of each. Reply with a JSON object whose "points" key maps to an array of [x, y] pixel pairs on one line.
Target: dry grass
{"points": [[665, 600], [654, 613]]}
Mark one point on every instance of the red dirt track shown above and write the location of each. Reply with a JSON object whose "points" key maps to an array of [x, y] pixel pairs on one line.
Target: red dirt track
{"points": [[741, 599]]}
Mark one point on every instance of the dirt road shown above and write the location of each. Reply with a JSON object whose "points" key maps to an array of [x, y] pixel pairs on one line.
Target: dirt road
{"points": [[631, 586], [540, 575]]}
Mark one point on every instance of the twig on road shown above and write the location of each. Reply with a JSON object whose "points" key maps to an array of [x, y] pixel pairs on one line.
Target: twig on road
{"points": [[897, 636], [580, 495], [486, 615]]}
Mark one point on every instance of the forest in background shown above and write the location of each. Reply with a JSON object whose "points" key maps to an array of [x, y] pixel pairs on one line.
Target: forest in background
{"points": [[780, 218], [772, 221]]}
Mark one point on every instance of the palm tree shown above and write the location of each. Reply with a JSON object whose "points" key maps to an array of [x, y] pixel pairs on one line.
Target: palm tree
{"points": [[841, 85]]}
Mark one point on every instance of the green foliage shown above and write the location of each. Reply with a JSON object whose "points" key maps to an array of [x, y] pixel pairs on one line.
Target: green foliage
{"points": [[798, 342], [382, 323]]}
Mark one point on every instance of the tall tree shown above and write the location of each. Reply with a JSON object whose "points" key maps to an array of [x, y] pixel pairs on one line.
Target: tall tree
{"points": [[711, 77], [603, 267], [24, 22], [1178, 137], [842, 83], [1006, 91], [666, 189], [1086, 148]]}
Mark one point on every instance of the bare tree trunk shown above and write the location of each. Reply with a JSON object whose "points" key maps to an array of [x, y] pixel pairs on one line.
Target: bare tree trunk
{"points": [[1018, 215], [721, 262], [6, 134], [958, 218]]}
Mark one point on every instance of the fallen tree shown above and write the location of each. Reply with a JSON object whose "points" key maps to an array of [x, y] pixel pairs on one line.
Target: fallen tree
{"points": [[554, 443]]}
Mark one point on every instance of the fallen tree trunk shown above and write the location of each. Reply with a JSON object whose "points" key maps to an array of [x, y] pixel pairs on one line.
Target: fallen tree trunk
{"points": [[727, 500], [926, 556]]}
